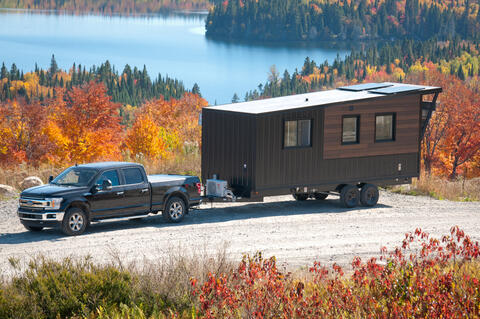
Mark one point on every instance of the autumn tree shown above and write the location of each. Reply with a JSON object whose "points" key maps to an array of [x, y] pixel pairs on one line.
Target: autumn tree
{"points": [[85, 125], [21, 138]]}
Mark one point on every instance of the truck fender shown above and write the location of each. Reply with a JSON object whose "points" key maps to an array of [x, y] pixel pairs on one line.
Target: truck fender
{"points": [[80, 203], [176, 191]]}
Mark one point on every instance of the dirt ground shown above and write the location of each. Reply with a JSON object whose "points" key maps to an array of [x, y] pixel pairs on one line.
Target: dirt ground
{"points": [[297, 233]]}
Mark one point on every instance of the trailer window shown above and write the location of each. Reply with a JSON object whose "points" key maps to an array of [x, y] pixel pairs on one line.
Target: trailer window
{"points": [[297, 133], [385, 127], [350, 129]]}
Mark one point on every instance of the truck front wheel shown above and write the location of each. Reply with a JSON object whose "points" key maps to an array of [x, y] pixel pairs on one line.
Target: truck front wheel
{"points": [[74, 222], [175, 210]]}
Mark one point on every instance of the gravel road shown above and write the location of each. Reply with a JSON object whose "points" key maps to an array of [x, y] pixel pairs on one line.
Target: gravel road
{"points": [[297, 233]]}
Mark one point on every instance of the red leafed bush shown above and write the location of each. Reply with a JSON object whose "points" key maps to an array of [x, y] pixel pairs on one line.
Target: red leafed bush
{"points": [[424, 278]]}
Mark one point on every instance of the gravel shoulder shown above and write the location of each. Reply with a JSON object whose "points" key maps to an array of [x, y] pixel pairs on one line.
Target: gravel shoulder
{"points": [[297, 233]]}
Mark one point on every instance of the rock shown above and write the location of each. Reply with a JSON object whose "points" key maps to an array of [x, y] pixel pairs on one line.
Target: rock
{"points": [[7, 191], [30, 181]]}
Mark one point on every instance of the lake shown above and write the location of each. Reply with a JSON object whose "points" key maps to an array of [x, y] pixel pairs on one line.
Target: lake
{"points": [[175, 45]]}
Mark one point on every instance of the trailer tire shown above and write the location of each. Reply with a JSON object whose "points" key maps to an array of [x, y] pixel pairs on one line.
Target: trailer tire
{"points": [[349, 196], [369, 195], [175, 210], [33, 228], [320, 196], [300, 196], [74, 222]]}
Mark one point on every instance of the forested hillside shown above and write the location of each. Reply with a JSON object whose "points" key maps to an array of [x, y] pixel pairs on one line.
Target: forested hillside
{"points": [[130, 86], [281, 20], [107, 6]]}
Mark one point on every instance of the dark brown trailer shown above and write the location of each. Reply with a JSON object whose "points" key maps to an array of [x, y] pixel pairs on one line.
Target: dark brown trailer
{"points": [[346, 141]]}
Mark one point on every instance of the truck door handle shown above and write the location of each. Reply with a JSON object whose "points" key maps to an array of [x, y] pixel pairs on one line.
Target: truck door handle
{"points": [[120, 193], [144, 190]]}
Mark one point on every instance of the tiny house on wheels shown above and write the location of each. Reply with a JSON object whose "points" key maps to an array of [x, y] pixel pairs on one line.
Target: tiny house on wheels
{"points": [[345, 141]]}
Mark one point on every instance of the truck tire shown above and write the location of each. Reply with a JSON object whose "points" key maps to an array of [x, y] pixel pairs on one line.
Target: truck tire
{"points": [[369, 195], [74, 222], [175, 210], [320, 196], [33, 228], [300, 196], [349, 196]]}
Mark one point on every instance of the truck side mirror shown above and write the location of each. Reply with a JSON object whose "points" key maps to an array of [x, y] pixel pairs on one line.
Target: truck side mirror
{"points": [[106, 185], [50, 179]]}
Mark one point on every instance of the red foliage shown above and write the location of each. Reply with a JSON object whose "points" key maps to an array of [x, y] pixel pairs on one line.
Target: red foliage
{"points": [[424, 278]]}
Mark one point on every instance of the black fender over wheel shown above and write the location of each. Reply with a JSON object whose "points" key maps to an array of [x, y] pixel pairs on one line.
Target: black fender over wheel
{"points": [[175, 210], [369, 195], [75, 221], [349, 196], [300, 196]]}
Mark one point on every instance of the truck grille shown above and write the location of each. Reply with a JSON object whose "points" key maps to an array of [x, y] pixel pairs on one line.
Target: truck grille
{"points": [[33, 203], [31, 216]]}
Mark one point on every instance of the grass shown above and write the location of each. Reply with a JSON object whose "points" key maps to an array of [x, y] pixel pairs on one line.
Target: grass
{"points": [[441, 279], [440, 188]]}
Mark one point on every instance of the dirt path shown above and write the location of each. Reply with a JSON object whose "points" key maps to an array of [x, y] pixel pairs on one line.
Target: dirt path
{"points": [[297, 233]]}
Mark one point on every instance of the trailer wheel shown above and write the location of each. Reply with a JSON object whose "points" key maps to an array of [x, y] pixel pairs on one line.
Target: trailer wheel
{"points": [[175, 210], [369, 195], [300, 197], [320, 196], [74, 222], [349, 196]]}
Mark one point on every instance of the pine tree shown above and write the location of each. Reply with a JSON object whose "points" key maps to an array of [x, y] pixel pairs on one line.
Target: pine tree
{"points": [[235, 98], [53, 65]]}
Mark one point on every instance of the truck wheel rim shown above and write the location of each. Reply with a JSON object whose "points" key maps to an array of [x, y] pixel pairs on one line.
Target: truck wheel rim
{"points": [[176, 210], [75, 222]]}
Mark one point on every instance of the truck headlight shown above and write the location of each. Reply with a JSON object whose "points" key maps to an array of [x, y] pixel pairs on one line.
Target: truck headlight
{"points": [[53, 203]]}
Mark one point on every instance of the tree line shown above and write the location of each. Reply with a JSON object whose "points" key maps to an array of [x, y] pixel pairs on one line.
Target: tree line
{"points": [[107, 7], [130, 86], [338, 20]]}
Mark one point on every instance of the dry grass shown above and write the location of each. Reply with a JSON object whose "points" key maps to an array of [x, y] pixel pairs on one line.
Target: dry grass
{"points": [[186, 162], [441, 188]]}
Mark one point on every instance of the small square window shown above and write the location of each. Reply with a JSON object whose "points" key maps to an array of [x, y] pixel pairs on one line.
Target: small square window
{"points": [[351, 129], [385, 127], [297, 133]]}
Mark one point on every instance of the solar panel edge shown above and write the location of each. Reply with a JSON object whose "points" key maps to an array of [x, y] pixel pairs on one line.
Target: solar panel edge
{"points": [[364, 87]]}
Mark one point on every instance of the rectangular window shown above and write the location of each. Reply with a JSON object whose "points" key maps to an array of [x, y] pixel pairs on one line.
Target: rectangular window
{"points": [[351, 129], [298, 133], [111, 175], [384, 127], [132, 175]]}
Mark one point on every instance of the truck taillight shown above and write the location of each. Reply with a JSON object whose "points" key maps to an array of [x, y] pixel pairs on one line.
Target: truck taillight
{"points": [[199, 188]]}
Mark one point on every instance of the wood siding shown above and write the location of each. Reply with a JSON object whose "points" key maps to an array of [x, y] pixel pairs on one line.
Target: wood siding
{"points": [[406, 109]]}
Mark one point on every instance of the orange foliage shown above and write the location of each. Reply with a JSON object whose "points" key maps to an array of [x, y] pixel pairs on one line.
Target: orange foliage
{"points": [[170, 124], [84, 125]]}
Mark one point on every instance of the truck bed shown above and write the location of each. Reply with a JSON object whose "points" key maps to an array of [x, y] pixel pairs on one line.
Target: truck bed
{"points": [[169, 180]]}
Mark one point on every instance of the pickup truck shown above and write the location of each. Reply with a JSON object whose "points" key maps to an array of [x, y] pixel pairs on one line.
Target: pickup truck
{"points": [[92, 192]]}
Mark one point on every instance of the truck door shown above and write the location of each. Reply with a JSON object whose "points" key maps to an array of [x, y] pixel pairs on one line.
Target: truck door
{"points": [[137, 192], [107, 203]]}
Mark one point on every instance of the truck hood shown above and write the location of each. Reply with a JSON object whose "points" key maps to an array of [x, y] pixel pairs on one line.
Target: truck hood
{"points": [[51, 190]]}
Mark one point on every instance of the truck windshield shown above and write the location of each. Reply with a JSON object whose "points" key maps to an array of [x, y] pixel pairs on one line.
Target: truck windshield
{"points": [[75, 176]]}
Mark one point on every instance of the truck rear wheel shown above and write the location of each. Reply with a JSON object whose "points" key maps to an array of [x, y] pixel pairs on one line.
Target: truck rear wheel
{"points": [[300, 196], [175, 210], [349, 196], [33, 228], [74, 222], [369, 195]]}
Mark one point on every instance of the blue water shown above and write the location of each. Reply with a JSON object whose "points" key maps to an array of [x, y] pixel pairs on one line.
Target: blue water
{"points": [[173, 45]]}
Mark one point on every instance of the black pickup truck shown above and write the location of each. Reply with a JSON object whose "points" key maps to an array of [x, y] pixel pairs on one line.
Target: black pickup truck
{"points": [[92, 192]]}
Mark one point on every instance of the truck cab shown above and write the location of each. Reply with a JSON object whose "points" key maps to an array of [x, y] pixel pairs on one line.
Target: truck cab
{"points": [[93, 192]]}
